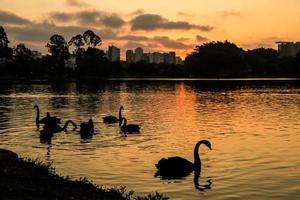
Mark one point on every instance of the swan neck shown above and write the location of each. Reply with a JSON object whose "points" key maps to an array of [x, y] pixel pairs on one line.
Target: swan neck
{"points": [[197, 160], [67, 123], [37, 119], [120, 113]]}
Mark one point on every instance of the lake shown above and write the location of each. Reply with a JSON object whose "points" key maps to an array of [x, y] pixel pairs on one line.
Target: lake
{"points": [[253, 125]]}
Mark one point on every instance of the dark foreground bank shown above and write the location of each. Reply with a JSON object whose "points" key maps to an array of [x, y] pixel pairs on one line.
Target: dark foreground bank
{"points": [[30, 179]]}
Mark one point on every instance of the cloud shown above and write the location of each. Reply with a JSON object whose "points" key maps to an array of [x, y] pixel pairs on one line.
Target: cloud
{"points": [[230, 13], [133, 45], [134, 38], [41, 32], [185, 14], [11, 18], [76, 3], [169, 43], [183, 39], [137, 12], [113, 21], [89, 17], [150, 22], [268, 42], [200, 38]]}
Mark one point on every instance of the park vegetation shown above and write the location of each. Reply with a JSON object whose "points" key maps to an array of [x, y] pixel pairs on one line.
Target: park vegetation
{"points": [[208, 60]]}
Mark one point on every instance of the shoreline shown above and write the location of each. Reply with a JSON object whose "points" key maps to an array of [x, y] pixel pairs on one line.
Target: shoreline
{"points": [[23, 178], [189, 79]]}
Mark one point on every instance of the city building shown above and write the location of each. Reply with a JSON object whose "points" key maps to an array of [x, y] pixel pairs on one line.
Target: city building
{"points": [[138, 54], [113, 53], [129, 56], [288, 49], [157, 58], [172, 58]]}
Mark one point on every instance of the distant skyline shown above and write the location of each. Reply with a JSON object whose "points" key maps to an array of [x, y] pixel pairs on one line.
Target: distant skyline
{"points": [[154, 25]]}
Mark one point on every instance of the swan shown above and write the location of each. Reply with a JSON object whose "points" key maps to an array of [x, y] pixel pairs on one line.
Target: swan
{"points": [[112, 119], [87, 129], [129, 128], [45, 120], [177, 167], [55, 128]]}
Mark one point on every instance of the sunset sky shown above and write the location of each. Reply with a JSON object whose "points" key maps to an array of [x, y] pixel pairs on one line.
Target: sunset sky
{"points": [[154, 25]]}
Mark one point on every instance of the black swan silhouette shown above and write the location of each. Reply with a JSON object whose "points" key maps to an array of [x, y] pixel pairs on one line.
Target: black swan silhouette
{"points": [[87, 129], [177, 167], [55, 128], [112, 119], [46, 120], [129, 128]]}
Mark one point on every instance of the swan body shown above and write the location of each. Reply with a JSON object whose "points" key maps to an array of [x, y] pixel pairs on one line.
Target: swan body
{"points": [[46, 120], [55, 128], [129, 128], [177, 167], [87, 129], [112, 119]]}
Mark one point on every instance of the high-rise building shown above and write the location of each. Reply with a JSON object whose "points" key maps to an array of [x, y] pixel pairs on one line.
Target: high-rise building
{"points": [[113, 54], [172, 58], [129, 56], [288, 49], [138, 54], [157, 57]]}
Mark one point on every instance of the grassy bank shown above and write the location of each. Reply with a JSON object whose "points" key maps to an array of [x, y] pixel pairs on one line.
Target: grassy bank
{"points": [[31, 179]]}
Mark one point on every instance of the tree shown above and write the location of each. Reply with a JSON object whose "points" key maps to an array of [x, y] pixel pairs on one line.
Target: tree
{"points": [[3, 38], [78, 42], [22, 52], [216, 59], [5, 51], [59, 50], [91, 39], [58, 47]]}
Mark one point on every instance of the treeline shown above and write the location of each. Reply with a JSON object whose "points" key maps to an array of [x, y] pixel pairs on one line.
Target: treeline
{"points": [[225, 59], [214, 59]]}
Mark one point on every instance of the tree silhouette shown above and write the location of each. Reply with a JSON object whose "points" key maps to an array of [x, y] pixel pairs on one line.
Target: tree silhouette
{"points": [[22, 52], [78, 42], [216, 59], [3, 38], [5, 51], [59, 50], [91, 39]]}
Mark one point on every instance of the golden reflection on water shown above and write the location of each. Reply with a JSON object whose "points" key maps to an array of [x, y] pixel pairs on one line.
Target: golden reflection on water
{"points": [[254, 134]]}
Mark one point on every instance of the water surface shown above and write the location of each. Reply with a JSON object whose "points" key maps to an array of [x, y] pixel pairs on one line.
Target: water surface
{"points": [[253, 127]]}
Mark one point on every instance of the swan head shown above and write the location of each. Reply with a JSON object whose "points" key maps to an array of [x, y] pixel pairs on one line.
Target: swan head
{"points": [[48, 114], [121, 108], [206, 143], [35, 106], [91, 121]]}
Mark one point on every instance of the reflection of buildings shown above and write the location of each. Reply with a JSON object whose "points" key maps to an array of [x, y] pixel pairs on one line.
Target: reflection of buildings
{"points": [[288, 49], [113, 53], [156, 57]]}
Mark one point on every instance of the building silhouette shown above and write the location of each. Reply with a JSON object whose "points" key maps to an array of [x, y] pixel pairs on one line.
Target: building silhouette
{"points": [[288, 49], [113, 53], [138, 54], [129, 56]]}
